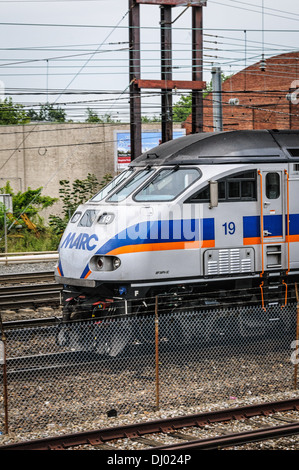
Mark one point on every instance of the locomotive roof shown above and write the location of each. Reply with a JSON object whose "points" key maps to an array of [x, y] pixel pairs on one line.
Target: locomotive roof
{"points": [[262, 146]]}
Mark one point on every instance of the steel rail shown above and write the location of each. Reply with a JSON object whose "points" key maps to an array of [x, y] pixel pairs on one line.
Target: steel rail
{"points": [[43, 364], [26, 277], [28, 288], [101, 436], [35, 257], [29, 294], [236, 439], [30, 323]]}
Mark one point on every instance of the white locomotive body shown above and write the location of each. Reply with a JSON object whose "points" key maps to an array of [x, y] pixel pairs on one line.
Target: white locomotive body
{"points": [[203, 212]]}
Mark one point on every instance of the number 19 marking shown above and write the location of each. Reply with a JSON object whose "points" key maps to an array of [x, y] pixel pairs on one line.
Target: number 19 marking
{"points": [[229, 228]]}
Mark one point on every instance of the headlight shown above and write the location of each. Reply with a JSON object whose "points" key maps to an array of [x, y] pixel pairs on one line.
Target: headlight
{"points": [[104, 263], [116, 263]]}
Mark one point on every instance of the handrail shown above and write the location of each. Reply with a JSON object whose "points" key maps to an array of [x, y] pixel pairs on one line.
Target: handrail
{"points": [[288, 219], [262, 222]]}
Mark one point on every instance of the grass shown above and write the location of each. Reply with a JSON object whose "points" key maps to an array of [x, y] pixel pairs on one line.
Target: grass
{"points": [[28, 241]]}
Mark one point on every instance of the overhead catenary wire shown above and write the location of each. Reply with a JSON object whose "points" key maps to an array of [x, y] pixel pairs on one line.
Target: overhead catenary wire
{"points": [[26, 137], [90, 58], [70, 127], [181, 66], [145, 28], [230, 61], [78, 47], [291, 17]]}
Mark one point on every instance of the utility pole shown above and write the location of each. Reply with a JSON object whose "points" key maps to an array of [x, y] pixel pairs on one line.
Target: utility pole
{"points": [[166, 84], [217, 99], [6, 200], [166, 72], [134, 73], [197, 69]]}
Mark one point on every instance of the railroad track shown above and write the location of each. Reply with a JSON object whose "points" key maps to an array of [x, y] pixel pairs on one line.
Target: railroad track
{"points": [[15, 297], [49, 363], [182, 430], [29, 277]]}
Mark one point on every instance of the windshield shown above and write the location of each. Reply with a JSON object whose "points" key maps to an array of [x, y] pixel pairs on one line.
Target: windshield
{"points": [[168, 184], [88, 218], [131, 185], [112, 185]]}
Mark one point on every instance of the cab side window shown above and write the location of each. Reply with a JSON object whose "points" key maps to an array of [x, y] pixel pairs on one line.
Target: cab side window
{"points": [[238, 187], [272, 185]]}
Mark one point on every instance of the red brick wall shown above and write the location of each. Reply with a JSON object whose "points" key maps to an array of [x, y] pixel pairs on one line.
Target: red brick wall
{"points": [[262, 97]]}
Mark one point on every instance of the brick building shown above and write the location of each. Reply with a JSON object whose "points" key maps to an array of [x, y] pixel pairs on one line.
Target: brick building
{"points": [[262, 97]]}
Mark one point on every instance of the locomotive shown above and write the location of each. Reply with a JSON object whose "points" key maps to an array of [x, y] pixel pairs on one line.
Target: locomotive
{"points": [[205, 213]]}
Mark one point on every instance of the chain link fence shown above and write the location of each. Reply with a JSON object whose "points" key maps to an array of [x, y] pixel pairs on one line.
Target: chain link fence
{"points": [[160, 358]]}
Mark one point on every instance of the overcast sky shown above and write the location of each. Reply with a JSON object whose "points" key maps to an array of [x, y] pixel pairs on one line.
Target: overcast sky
{"points": [[82, 46]]}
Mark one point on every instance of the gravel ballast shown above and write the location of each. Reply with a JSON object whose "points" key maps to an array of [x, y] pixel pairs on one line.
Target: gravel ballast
{"points": [[76, 405]]}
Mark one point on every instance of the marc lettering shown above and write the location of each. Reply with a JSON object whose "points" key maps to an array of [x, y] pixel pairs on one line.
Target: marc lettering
{"points": [[83, 241]]}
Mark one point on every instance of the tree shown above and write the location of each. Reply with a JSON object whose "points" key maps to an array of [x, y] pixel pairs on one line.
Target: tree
{"points": [[92, 116], [47, 112], [29, 202], [146, 119], [25, 228], [26, 208], [11, 113], [183, 108]]}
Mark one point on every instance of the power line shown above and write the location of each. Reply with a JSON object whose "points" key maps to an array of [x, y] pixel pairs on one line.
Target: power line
{"points": [[63, 57], [88, 60], [149, 28], [266, 8], [254, 11]]}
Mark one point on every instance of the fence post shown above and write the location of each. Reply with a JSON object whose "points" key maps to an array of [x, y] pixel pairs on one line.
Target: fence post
{"points": [[157, 354], [3, 362], [297, 337]]}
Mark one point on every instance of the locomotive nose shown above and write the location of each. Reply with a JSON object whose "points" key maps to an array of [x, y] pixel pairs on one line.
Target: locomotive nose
{"points": [[75, 251], [85, 245]]}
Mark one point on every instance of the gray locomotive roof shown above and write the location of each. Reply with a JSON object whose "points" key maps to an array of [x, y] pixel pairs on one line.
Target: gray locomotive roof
{"points": [[225, 147]]}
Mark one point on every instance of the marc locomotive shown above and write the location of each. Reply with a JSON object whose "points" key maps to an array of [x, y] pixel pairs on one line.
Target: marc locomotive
{"points": [[204, 213]]}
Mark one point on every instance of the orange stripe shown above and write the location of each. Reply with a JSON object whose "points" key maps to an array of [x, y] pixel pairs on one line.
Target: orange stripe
{"points": [[293, 238], [88, 274], [252, 241], [208, 244], [59, 272], [257, 240], [161, 247]]}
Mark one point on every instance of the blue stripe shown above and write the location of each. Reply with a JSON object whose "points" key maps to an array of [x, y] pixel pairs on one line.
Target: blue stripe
{"points": [[84, 272], [207, 229], [252, 227], [153, 232], [294, 224], [60, 269], [273, 223], [161, 231]]}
